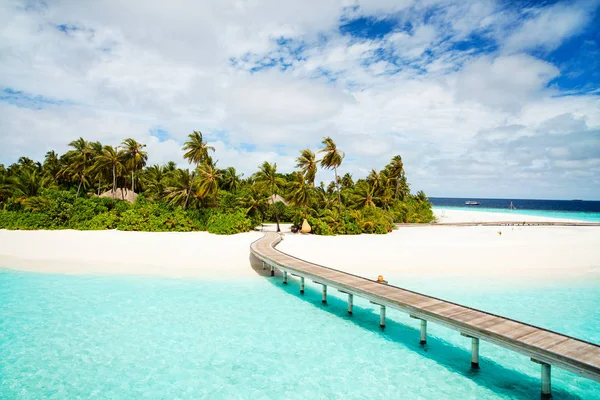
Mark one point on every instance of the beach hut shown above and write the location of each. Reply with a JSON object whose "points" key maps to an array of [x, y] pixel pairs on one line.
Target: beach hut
{"points": [[121, 194]]}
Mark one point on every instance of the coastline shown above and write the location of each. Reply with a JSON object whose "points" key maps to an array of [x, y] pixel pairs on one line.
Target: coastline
{"points": [[518, 254]]}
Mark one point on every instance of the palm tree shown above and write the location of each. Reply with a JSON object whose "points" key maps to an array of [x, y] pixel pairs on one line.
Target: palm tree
{"points": [[51, 165], [208, 180], [267, 178], [332, 159], [347, 182], [170, 166], [396, 169], [80, 159], [308, 165], [230, 180], [110, 159], [96, 148], [300, 190], [197, 152], [179, 186], [135, 157], [364, 195], [28, 182], [154, 181]]}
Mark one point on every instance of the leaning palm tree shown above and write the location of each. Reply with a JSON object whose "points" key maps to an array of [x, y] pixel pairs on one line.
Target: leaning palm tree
{"points": [[267, 178], [110, 161], [197, 152], [135, 157], [332, 159], [307, 163]]}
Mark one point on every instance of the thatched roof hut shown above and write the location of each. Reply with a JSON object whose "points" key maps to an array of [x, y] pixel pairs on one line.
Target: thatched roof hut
{"points": [[275, 198], [121, 194]]}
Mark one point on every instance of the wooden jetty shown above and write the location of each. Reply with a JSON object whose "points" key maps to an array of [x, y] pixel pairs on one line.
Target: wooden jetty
{"points": [[543, 346]]}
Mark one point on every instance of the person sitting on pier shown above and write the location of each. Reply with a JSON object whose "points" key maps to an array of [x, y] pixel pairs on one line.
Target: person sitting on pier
{"points": [[381, 280]]}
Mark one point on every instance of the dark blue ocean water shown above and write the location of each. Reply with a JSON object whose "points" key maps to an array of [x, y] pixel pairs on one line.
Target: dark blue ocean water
{"points": [[522, 204], [570, 209]]}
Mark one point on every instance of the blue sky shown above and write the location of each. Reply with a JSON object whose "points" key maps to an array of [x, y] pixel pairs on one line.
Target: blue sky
{"points": [[481, 98]]}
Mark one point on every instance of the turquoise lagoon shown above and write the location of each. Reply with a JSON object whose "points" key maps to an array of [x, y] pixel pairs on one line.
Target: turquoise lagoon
{"points": [[124, 337], [579, 216]]}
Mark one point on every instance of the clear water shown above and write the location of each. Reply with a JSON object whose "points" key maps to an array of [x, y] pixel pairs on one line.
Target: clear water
{"points": [[142, 337], [579, 216]]}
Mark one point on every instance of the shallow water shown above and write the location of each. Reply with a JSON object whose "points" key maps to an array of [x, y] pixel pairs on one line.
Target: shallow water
{"points": [[579, 216], [119, 337]]}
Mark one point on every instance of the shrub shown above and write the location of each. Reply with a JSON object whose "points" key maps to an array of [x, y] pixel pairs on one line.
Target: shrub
{"points": [[229, 223]]}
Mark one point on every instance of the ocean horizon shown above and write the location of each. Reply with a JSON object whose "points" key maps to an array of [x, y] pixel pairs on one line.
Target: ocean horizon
{"points": [[581, 210]]}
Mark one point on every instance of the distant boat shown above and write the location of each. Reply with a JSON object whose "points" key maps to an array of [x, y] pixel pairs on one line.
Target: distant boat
{"points": [[472, 203], [576, 200], [512, 207]]}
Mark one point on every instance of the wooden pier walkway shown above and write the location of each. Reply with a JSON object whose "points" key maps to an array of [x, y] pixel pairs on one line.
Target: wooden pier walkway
{"points": [[543, 346]]}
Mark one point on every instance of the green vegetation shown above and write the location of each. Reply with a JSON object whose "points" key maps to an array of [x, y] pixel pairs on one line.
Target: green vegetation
{"points": [[64, 192]]}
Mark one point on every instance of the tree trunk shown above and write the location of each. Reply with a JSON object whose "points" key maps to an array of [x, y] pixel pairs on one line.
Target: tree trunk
{"points": [[189, 190], [79, 187], [276, 216], [114, 189], [132, 181], [397, 186], [337, 186]]}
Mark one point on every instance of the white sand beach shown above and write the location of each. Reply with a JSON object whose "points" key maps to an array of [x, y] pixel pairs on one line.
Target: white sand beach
{"points": [[531, 252]]}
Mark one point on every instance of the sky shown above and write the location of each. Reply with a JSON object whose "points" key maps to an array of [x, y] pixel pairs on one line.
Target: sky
{"points": [[480, 98]]}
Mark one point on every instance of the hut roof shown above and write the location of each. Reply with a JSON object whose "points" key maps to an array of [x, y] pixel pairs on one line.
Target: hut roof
{"points": [[121, 194], [275, 198]]}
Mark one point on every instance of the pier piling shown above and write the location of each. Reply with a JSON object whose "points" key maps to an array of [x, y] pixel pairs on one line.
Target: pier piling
{"points": [[324, 297], [301, 285], [546, 381], [285, 277], [382, 316], [475, 353], [350, 303]]}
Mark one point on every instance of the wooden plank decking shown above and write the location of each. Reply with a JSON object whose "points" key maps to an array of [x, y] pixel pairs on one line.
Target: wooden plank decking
{"points": [[542, 345]]}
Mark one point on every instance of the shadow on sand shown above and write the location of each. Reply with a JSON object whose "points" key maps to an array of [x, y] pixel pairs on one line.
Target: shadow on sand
{"points": [[491, 375]]}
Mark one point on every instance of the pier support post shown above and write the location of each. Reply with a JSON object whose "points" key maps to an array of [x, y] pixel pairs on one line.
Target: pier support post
{"points": [[350, 303], [423, 332], [475, 353], [301, 285], [324, 298], [264, 266], [423, 329], [272, 270], [285, 277], [382, 316], [546, 384]]}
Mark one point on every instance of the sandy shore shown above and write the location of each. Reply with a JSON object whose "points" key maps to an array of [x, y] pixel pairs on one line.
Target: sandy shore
{"points": [[173, 254], [518, 253], [445, 215]]}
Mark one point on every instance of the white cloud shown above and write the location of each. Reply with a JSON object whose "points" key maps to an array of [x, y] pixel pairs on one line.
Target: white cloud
{"points": [[134, 66], [548, 28]]}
